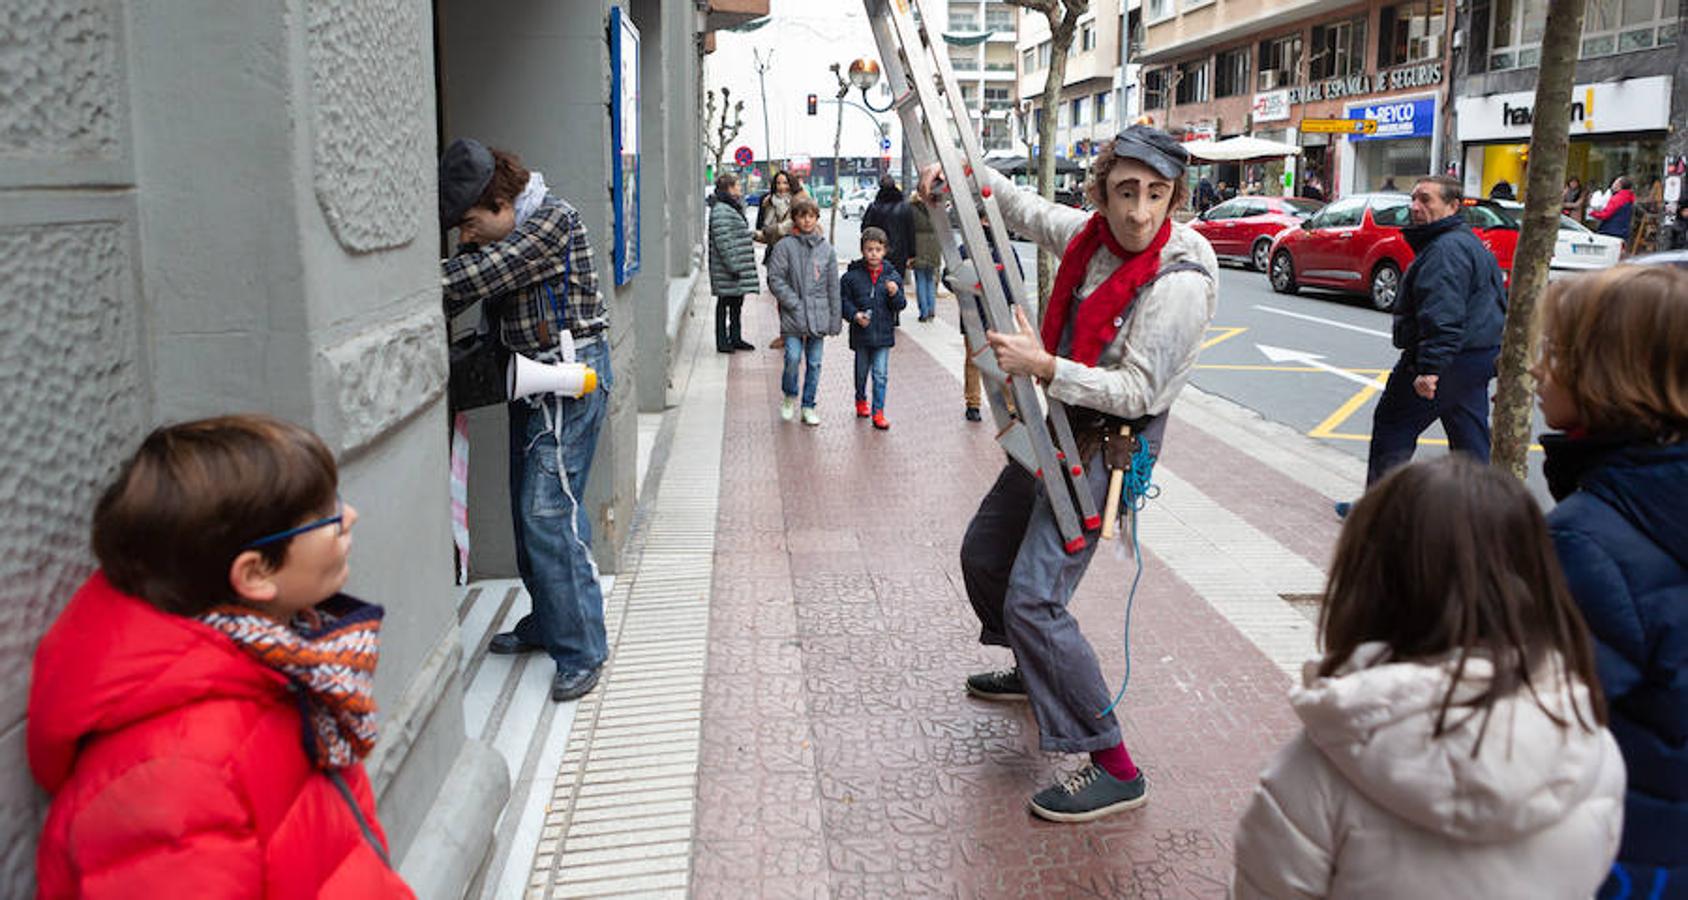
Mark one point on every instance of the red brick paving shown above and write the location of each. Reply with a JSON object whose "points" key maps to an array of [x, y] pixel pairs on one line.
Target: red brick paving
{"points": [[841, 757]]}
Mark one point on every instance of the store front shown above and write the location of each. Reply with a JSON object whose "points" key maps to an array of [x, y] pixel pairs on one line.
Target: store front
{"points": [[1402, 151], [1617, 129]]}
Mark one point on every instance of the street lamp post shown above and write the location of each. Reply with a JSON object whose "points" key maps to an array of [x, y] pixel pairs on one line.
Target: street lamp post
{"points": [[864, 73]]}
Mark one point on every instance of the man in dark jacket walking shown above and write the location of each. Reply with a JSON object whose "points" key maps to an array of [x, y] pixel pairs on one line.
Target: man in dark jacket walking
{"points": [[891, 213], [1447, 325]]}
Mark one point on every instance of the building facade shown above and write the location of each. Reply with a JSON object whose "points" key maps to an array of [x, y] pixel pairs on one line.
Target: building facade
{"points": [[1628, 113], [1220, 68], [980, 38], [228, 208], [1089, 113]]}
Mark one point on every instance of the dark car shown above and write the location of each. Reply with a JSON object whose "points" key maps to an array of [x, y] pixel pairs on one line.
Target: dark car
{"points": [[1243, 228], [1355, 245]]}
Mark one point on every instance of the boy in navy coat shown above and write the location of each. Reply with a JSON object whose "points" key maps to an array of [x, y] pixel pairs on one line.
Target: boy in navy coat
{"points": [[872, 294]]}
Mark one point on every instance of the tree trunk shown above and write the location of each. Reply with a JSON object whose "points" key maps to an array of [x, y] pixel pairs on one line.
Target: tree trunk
{"points": [[1063, 22], [1544, 179]]}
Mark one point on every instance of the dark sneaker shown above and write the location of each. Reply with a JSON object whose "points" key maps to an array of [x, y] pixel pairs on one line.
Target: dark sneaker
{"points": [[509, 642], [1004, 684], [573, 685], [973, 414], [1342, 508], [1089, 793]]}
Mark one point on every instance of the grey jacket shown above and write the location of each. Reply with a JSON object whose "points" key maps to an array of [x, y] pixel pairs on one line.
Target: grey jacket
{"points": [[803, 276], [732, 255]]}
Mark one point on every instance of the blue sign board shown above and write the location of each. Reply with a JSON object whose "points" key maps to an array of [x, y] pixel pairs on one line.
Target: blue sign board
{"points": [[885, 144], [624, 141], [1397, 119]]}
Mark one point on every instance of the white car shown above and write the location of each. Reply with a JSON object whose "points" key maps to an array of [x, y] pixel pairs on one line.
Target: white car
{"points": [[1577, 249], [856, 202]]}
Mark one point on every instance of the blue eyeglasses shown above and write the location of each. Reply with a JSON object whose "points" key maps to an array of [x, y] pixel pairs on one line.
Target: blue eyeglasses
{"points": [[338, 520]]}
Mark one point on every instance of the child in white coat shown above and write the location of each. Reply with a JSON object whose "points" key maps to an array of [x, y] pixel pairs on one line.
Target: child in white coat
{"points": [[1453, 734]]}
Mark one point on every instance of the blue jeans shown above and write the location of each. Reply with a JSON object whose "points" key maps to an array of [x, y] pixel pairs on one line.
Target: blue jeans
{"points": [[807, 350], [926, 292], [878, 361], [553, 530], [1462, 405]]}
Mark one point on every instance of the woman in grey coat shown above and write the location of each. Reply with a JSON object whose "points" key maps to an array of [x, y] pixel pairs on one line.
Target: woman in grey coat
{"points": [[732, 262]]}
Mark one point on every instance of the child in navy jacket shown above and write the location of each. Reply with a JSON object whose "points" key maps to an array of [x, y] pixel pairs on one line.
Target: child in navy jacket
{"points": [[872, 293]]}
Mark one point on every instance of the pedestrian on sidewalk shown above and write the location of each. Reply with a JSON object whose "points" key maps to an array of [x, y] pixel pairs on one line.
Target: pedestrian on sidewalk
{"points": [[1613, 382], [1448, 318], [732, 262], [1147, 287], [803, 274], [871, 294], [892, 213], [923, 265], [200, 710], [773, 220], [1453, 737], [525, 252]]}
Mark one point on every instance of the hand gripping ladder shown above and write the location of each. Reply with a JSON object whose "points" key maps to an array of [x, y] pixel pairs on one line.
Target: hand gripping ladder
{"points": [[940, 131]]}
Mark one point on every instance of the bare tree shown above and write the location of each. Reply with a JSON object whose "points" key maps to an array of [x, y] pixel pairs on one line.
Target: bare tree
{"points": [[717, 136], [1544, 179], [1062, 16]]}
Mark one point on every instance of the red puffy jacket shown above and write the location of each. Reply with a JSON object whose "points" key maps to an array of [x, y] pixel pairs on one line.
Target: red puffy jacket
{"points": [[177, 768]]}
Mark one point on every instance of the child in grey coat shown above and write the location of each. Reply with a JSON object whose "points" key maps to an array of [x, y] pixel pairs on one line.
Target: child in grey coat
{"points": [[803, 275]]}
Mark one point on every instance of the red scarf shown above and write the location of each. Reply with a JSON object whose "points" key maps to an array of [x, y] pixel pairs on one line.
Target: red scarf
{"points": [[1101, 313]]}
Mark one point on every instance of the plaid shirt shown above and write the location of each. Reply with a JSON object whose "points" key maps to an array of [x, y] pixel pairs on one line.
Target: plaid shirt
{"points": [[547, 248]]}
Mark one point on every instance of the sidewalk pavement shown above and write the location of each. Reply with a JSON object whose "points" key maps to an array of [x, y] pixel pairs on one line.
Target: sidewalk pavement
{"points": [[783, 714]]}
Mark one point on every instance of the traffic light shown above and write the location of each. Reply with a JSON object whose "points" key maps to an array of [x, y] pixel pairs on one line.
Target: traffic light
{"points": [[814, 104]]}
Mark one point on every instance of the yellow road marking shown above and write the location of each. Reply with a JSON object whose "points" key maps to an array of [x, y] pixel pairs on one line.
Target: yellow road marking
{"points": [[1230, 331], [1327, 428]]}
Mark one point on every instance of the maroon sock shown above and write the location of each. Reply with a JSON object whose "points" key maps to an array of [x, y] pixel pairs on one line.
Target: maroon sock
{"points": [[1116, 761]]}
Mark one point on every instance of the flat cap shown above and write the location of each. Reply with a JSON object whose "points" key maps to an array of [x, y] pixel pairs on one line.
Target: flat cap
{"points": [[465, 171], [1154, 148]]}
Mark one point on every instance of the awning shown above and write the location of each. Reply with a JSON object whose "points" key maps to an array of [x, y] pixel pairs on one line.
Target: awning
{"points": [[966, 38], [1019, 165], [1239, 149]]}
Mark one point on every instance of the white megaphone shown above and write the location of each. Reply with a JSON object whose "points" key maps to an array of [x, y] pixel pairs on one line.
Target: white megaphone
{"points": [[526, 376]]}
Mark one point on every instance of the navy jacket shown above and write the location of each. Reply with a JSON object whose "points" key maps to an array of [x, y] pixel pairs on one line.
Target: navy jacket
{"points": [[1453, 298], [1622, 538], [860, 292]]}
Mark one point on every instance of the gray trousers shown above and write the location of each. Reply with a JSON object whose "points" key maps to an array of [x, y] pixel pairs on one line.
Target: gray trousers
{"points": [[1019, 580]]}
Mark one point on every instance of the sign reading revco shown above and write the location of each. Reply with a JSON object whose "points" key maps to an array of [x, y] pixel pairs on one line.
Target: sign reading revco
{"points": [[1397, 119]]}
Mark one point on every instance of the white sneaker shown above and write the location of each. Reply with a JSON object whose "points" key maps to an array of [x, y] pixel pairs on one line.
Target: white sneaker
{"points": [[810, 417], [788, 408]]}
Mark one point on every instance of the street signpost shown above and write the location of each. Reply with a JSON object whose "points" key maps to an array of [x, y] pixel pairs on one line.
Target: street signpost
{"points": [[1338, 126]]}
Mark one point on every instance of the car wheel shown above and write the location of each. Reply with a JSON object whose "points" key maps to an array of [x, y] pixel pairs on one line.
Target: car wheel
{"points": [[1385, 285], [1261, 248], [1282, 274]]}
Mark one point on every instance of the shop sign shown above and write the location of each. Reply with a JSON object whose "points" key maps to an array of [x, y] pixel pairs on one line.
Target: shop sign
{"points": [[1338, 126], [1201, 131], [1272, 106], [1402, 78], [1636, 104], [1397, 119], [1424, 75]]}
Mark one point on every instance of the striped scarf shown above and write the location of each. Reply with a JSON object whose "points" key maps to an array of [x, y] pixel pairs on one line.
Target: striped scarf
{"points": [[328, 654]]}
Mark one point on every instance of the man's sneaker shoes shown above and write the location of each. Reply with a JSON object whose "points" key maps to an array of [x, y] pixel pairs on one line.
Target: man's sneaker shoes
{"points": [[1004, 684], [810, 417], [861, 409], [973, 414], [509, 643], [1342, 509], [1089, 793], [788, 408], [879, 421], [567, 686]]}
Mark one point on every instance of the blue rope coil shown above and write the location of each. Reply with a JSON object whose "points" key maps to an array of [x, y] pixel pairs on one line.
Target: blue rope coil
{"points": [[1137, 489]]}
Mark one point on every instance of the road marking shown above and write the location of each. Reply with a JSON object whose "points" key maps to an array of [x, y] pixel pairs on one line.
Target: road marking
{"points": [[1248, 367], [1327, 428], [1331, 322], [1230, 332], [1280, 354]]}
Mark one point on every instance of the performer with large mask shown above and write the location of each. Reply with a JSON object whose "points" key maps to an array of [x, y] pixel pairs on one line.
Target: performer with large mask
{"points": [[1132, 299]]}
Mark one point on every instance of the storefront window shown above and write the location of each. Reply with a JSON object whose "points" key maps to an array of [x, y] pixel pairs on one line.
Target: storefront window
{"points": [[1515, 41], [1192, 83], [1230, 76], [1410, 32], [1595, 161], [1620, 26], [1280, 62], [1338, 50]]}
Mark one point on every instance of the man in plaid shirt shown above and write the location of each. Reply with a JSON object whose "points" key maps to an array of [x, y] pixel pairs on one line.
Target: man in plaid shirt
{"points": [[526, 253]]}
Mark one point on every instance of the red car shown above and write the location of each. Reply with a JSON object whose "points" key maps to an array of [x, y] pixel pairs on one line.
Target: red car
{"points": [[1242, 228], [1355, 245]]}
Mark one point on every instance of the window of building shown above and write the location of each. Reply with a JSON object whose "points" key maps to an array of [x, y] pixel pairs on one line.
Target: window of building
{"points": [[1337, 50], [1159, 9], [999, 19], [964, 17], [1062, 119], [1101, 107], [1410, 32], [1192, 84], [1135, 36], [969, 94], [1028, 60], [964, 59], [998, 97], [994, 135], [1230, 73], [1515, 33], [1620, 26], [1154, 89], [1087, 37], [1080, 113], [1043, 55], [1280, 62]]}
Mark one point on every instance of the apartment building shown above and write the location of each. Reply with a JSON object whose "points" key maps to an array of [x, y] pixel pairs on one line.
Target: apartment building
{"points": [[1220, 68], [979, 37], [1095, 82], [1628, 115]]}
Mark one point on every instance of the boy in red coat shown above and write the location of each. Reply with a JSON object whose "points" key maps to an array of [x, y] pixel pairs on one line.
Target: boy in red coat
{"points": [[199, 710]]}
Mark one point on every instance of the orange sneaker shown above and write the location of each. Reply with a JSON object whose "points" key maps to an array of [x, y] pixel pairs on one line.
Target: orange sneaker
{"points": [[861, 409], [879, 421]]}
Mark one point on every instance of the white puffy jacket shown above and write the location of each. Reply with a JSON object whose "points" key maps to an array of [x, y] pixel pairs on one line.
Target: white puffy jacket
{"points": [[1365, 803]]}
